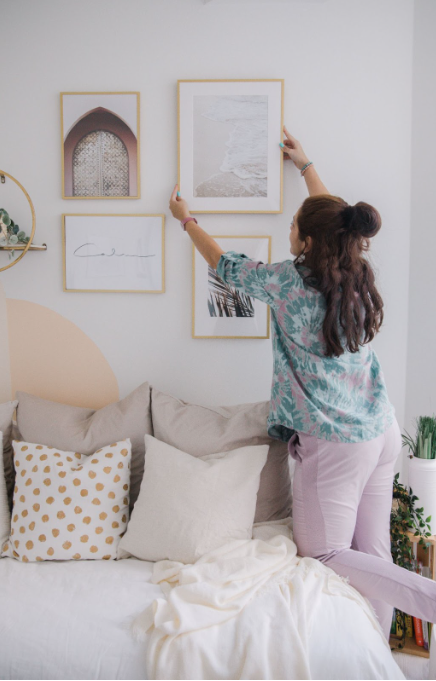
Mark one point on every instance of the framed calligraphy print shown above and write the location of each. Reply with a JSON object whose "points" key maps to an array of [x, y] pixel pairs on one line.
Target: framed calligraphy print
{"points": [[114, 253]]}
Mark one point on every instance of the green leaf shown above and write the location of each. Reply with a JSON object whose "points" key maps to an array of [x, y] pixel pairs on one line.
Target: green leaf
{"points": [[6, 219]]}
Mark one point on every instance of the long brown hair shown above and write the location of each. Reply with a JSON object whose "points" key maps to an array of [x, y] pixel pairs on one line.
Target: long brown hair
{"points": [[340, 237]]}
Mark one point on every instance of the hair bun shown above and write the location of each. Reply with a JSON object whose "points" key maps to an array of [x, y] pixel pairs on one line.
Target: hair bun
{"points": [[362, 219]]}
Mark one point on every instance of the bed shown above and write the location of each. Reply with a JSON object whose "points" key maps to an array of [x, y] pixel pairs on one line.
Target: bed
{"points": [[75, 619], [72, 620]]}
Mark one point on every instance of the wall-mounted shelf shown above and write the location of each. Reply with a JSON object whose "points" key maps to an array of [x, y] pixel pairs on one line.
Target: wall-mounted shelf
{"points": [[23, 248], [32, 247]]}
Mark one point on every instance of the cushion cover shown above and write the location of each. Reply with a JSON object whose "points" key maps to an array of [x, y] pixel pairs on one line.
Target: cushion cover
{"points": [[86, 430], [190, 505], [68, 505], [200, 430]]}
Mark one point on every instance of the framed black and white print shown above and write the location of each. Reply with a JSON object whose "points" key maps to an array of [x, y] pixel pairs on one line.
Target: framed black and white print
{"points": [[220, 310], [230, 160], [114, 253]]}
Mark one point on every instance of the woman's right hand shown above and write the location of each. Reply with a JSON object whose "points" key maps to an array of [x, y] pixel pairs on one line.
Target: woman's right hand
{"points": [[178, 206], [292, 149]]}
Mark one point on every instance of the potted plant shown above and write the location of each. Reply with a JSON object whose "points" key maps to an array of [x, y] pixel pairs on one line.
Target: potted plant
{"points": [[10, 233], [422, 464], [406, 517]]}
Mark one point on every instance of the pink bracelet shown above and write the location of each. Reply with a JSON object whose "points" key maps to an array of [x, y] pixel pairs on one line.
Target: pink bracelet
{"points": [[183, 222]]}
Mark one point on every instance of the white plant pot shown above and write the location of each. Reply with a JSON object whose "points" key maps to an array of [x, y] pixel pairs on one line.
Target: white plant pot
{"points": [[422, 480]]}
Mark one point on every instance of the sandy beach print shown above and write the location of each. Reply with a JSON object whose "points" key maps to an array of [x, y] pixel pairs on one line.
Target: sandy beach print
{"points": [[230, 146]]}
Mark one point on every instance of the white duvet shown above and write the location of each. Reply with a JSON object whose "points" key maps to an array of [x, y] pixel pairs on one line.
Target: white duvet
{"points": [[277, 616]]}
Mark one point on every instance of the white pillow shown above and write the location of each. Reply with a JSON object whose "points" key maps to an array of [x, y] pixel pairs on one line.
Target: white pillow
{"points": [[68, 505], [5, 516], [188, 506]]}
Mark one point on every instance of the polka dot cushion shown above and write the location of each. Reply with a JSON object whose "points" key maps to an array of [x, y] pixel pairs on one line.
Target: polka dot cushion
{"points": [[68, 505]]}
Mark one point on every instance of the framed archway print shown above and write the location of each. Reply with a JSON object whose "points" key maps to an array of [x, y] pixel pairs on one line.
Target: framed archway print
{"points": [[100, 145]]}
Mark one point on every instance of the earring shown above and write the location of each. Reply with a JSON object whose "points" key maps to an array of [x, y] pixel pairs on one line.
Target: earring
{"points": [[300, 258]]}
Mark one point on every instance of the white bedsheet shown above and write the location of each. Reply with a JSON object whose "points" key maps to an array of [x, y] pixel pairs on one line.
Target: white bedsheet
{"points": [[72, 620]]}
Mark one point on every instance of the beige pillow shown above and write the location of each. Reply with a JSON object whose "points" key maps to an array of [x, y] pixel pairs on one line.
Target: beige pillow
{"points": [[200, 430], [68, 505], [190, 505], [86, 430], [6, 413]]}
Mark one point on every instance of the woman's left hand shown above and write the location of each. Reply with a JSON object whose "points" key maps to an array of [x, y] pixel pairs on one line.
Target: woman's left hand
{"points": [[178, 206]]}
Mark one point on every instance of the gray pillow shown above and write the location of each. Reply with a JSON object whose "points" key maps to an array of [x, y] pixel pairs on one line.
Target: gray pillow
{"points": [[6, 413], [200, 430], [84, 430]]}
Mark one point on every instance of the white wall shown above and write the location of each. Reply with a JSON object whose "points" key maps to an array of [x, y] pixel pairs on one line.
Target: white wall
{"points": [[348, 77], [421, 369]]}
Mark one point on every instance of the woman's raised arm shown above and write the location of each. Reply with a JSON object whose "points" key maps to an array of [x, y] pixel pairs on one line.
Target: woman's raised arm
{"points": [[205, 244], [292, 149]]}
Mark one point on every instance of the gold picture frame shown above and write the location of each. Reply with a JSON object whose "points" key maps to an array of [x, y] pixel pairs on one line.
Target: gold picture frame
{"points": [[186, 187], [160, 241], [258, 304], [113, 123]]}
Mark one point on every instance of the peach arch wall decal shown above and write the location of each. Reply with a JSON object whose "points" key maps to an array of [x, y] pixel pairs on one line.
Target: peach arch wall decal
{"points": [[52, 358]]}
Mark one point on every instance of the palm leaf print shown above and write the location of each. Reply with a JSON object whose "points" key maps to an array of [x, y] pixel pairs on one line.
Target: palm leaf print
{"points": [[225, 301]]}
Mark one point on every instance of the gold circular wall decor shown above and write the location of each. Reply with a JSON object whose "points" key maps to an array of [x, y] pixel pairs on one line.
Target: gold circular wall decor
{"points": [[2, 172]]}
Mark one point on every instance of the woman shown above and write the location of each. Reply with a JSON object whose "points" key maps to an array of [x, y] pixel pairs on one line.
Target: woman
{"points": [[328, 397]]}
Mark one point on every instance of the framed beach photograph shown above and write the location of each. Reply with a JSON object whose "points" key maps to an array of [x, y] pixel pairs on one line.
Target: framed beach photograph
{"points": [[220, 310], [229, 132], [100, 145], [114, 253]]}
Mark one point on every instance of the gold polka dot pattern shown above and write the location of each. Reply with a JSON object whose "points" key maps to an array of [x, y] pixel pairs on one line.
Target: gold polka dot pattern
{"points": [[82, 510]]}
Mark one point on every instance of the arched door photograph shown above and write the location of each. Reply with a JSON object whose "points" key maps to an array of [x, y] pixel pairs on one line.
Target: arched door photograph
{"points": [[100, 145]]}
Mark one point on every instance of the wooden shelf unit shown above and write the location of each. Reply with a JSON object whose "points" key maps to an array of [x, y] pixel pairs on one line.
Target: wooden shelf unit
{"points": [[408, 645], [428, 558]]}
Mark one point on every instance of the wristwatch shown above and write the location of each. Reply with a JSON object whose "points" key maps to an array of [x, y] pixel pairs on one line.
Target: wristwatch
{"points": [[183, 222]]}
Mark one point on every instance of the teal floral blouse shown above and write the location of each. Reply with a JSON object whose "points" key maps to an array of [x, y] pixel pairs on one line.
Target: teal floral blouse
{"points": [[341, 399]]}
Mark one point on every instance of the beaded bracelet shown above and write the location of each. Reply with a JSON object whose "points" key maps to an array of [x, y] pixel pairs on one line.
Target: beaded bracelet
{"points": [[304, 168]]}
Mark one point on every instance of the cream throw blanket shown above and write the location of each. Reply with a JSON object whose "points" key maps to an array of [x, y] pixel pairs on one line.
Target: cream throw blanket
{"points": [[242, 611]]}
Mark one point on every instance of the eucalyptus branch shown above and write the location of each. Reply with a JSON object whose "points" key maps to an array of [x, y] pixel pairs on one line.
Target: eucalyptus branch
{"points": [[10, 233]]}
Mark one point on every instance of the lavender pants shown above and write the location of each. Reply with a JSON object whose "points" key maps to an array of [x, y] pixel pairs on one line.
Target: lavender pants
{"points": [[342, 497]]}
